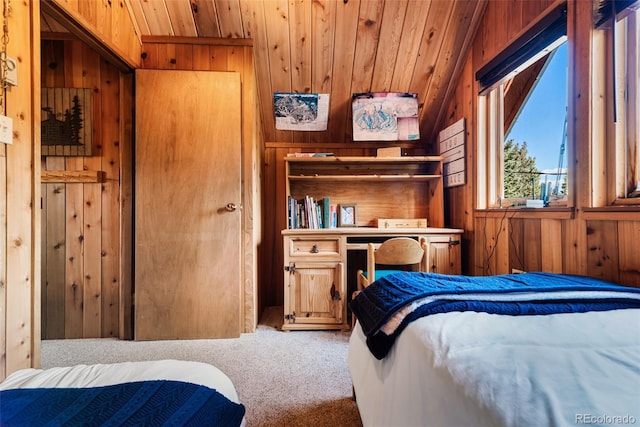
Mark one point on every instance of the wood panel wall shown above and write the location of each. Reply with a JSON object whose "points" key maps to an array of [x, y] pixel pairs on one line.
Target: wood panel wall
{"points": [[594, 242], [81, 250], [107, 26], [19, 216], [204, 54]]}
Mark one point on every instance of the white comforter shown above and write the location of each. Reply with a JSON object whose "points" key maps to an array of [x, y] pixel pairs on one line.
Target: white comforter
{"points": [[479, 369], [117, 373]]}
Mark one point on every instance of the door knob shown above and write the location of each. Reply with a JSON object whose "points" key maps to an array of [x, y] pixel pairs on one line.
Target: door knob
{"points": [[231, 207]]}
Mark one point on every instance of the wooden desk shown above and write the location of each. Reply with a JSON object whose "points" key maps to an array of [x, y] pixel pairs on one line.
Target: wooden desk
{"points": [[315, 270]]}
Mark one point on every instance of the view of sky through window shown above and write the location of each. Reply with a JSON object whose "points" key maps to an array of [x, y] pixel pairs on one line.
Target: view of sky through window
{"points": [[541, 122]]}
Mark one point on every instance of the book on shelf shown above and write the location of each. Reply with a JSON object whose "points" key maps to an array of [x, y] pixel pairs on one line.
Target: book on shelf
{"points": [[311, 213], [326, 212], [333, 211]]}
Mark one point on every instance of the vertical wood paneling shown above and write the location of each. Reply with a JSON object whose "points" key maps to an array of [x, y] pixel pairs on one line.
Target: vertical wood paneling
{"points": [[369, 22], [434, 34], [447, 68], [88, 10], [514, 21], [551, 245], [629, 252], [346, 25], [271, 259], [279, 51], [110, 283], [92, 261], [74, 270], [602, 243], [54, 251], [156, 17], [388, 46], [20, 228], [253, 19], [229, 18], [575, 246], [3, 265], [323, 40], [150, 56], [183, 57], [109, 22], [204, 13], [410, 38], [532, 253], [125, 233], [300, 35], [91, 213], [181, 18], [251, 158], [516, 246], [459, 200], [43, 257]]}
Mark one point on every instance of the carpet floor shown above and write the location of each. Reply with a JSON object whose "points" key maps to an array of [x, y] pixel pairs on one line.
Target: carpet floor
{"points": [[297, 378]]}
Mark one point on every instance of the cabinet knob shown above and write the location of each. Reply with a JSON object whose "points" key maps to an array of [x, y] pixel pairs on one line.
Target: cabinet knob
{"points": [[231, 207], [314, 249]]}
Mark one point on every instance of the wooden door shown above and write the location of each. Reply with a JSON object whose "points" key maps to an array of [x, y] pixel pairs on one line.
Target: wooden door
{"points": [[188, 180]]}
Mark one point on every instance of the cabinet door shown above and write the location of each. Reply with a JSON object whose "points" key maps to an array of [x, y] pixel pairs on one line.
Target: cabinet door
{"points": [[443, 254], [188, 168], [315, 295]]}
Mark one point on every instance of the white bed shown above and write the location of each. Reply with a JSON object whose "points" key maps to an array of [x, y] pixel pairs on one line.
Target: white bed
{"points": [[82, 376], [478, 369]]}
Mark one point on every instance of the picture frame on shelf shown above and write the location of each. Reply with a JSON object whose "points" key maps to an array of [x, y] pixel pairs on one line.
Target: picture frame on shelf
{"points": [[347, 215]]}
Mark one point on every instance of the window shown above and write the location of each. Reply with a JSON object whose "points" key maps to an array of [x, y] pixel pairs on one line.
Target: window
{"points": [[535, 123], [623, 40], [522, 143]]}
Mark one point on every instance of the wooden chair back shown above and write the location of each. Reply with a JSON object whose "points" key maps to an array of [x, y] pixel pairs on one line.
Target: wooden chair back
{"points": [[398, 251]]}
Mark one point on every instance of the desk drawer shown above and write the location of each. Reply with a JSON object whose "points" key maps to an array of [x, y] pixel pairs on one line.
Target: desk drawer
{"points": [[314, 247]]}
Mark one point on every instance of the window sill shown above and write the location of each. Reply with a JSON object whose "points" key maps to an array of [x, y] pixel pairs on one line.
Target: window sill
{"points": [[521, 212], [614, 213]]}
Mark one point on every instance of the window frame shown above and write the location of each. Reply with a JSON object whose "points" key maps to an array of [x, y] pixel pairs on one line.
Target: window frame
{"points": [[490, 190], [623, 105]]}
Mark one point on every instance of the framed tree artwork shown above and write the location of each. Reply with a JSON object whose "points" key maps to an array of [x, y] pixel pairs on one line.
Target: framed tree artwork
{"points": [[66, 127]]}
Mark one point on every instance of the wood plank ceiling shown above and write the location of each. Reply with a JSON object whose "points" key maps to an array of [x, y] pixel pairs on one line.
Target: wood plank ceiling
{"points": [[337, 47]]}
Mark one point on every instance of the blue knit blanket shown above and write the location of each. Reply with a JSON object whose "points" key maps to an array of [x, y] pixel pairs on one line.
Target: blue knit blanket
{"points": [[149, 403], [511, 294]]}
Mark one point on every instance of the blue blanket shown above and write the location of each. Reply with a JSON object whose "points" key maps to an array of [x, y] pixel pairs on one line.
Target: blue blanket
{"points": [[378, 302], [149, 403]]}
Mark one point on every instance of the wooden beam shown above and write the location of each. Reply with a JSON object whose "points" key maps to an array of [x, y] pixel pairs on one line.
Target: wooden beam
{"points": [[72, 176], [79, 26]]}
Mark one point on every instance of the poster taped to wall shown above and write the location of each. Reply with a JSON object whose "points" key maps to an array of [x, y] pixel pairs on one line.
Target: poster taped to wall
{"points": [[385, 116], [301, 111]]}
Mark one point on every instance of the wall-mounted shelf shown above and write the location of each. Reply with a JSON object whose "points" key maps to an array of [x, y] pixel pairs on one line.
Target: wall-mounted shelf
{"points": [[72, 176], [381, 187]]}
